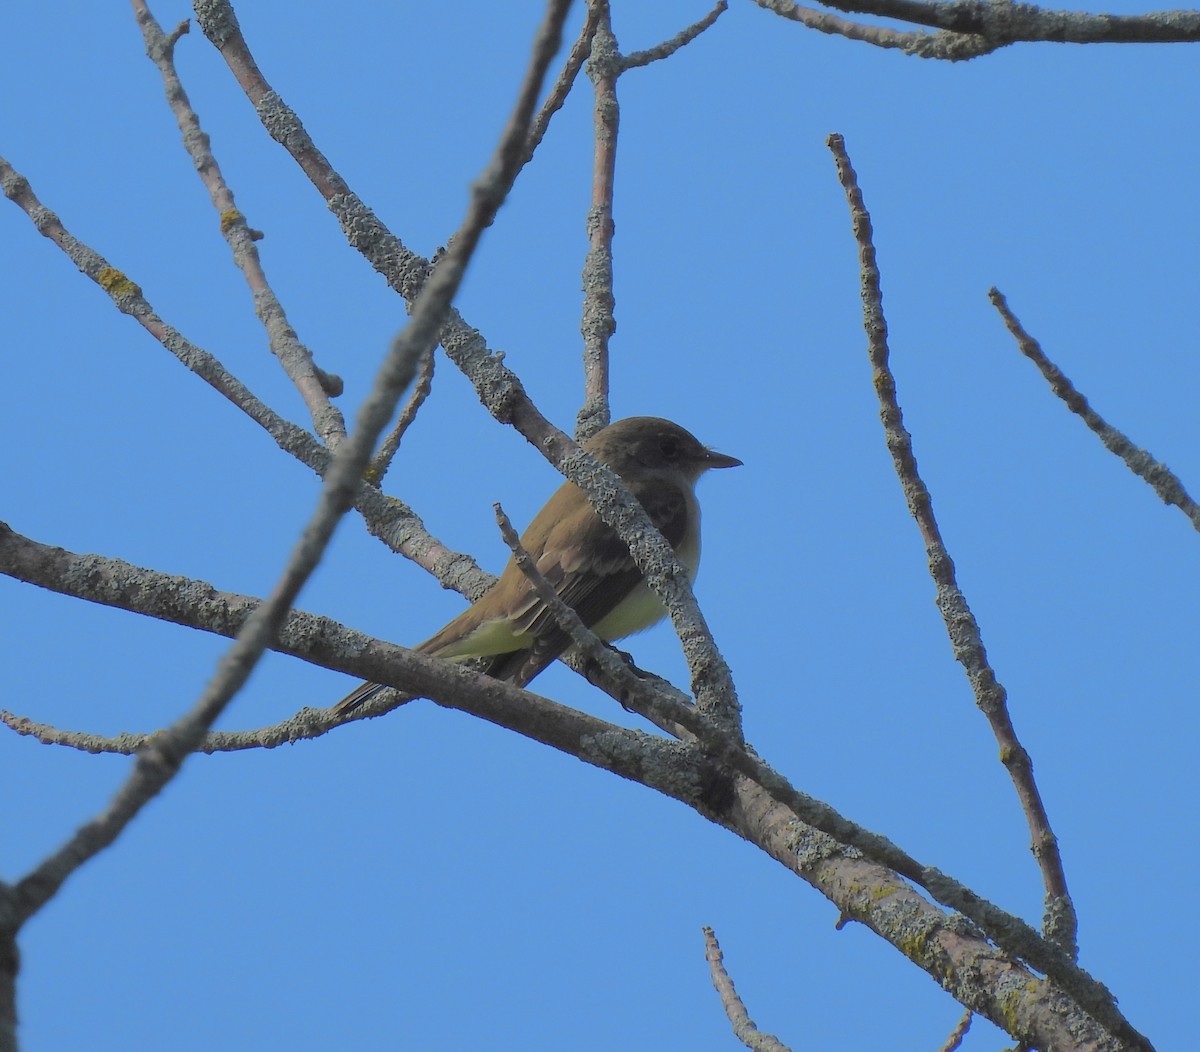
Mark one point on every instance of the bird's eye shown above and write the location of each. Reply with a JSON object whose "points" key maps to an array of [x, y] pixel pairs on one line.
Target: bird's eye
{"points": [[669, 447]]}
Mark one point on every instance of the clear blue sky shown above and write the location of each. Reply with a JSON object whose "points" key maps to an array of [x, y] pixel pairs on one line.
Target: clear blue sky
{"points": [[431, 881]]}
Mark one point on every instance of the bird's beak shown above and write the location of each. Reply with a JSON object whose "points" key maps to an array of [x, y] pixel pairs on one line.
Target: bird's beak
{"points": [[713, 459]]}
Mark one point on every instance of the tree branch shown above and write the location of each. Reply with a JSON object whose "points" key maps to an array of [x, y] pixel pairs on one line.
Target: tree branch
{"points": [[390, 520], [1060, 923], [598, 323], [324, 642], [390, 445], [681, 39], [314, 384], [743, 1026], [1153, 472], [971, 28]]}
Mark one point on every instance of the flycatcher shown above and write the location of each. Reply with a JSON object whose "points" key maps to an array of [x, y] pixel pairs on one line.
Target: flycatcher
{"points": [[583, 559]]}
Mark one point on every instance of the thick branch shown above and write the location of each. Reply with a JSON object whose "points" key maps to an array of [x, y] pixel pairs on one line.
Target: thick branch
{"points": [[323, 642], [970, 28]]}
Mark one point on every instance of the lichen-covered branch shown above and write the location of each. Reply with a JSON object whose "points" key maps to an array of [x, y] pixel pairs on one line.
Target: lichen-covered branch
{"points": [[324, 642], [971, 28], [314, 385], [735, 1009], [965, 637], [1153, 472]]}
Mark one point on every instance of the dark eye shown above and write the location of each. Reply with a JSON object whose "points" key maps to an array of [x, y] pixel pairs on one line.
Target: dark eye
{"points": [[669, 447]]}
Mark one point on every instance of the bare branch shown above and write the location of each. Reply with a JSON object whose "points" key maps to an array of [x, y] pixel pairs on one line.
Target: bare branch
{"points": [[1154, 473], [562, 87], [965, 637], [127, 297], [598, 324], [387, 449], [943, 45], [681, 39], [976, 27], [955, 1038], [196, 604], [315, 385], [389, 519], [743, 1026]]}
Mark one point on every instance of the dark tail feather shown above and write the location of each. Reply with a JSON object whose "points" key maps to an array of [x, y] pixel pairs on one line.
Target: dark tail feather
{"points": [[517, 667], [361, 694]]}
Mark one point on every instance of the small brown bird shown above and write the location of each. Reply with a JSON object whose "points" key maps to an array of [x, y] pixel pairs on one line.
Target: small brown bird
{"points": [[583, 559]]}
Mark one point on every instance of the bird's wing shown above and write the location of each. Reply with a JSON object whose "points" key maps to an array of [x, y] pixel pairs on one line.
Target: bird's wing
{"points": [[590, 568]]}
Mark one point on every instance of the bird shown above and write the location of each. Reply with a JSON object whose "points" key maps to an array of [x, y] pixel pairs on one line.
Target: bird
{"points": [[584, 560]]}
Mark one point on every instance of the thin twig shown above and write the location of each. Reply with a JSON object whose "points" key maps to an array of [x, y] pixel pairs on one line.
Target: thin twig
{"points": [[314, 384], [940, 45], [681, 39], [1060, 922], [955, 1038], [562, 86], [387, 449], [1153, 472], [743, 1026]]}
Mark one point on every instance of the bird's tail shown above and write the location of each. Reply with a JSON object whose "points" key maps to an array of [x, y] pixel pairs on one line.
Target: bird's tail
{"points": [[517, 667], [360, 695]]}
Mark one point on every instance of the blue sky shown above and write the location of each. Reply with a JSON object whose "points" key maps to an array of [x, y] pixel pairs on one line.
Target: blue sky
{"points": [[428, 879]]}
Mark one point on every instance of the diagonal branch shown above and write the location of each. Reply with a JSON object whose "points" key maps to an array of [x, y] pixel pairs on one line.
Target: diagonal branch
{"points": [[390, 445], [324, 642], [943, 44], [314, 385], [562, 86], [971, 28], [681, 39], [998, 25], [1060, 920], [735, 1009], [1153, 472]]}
